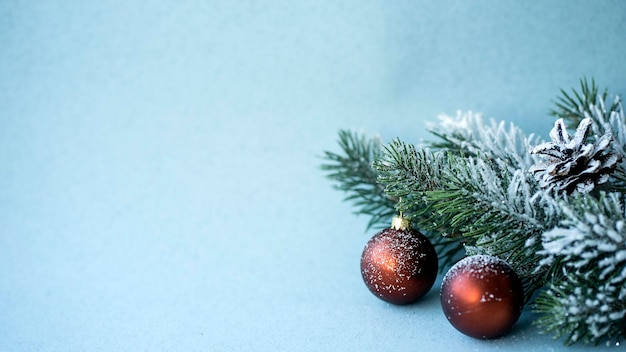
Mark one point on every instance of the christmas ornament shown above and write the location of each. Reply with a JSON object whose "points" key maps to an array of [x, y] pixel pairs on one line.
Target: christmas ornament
{"points": [[570, 163], [482, 296], [399, 265]]}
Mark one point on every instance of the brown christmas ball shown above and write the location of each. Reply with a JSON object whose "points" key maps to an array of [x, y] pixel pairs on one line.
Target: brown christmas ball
{"points": [[482, 296], [399, 265]]}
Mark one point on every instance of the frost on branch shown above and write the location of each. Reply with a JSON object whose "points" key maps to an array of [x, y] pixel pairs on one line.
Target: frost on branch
{"points": [[611, 121], [589, 246], [582, 310], [468, 134]]}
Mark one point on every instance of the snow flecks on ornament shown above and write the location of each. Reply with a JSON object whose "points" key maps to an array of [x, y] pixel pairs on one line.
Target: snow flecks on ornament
{"points": [[399, 266], [482, 296], [477, 265]]}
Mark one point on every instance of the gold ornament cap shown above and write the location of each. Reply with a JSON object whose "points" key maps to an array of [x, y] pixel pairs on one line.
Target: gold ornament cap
{"points": [[401, 223]]}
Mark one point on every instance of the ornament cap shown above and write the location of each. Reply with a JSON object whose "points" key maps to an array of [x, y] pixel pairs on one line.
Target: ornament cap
{"points": [[399, 222]]}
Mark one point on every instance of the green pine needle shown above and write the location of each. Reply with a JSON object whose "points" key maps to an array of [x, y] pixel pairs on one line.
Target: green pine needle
{"points": [[575, 106], [352, 172]]}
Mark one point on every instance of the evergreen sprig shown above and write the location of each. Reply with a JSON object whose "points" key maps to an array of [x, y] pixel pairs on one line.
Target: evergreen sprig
{"points": [[410, 176], [471, 189], [587, 301], [473, 201], [352, 172], [575, 106], [468, 134]]}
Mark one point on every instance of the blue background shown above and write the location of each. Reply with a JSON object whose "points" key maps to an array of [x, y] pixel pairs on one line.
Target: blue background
{"points": [[159, 163]]}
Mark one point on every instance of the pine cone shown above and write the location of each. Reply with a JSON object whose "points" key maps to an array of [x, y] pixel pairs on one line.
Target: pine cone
{"points": [[570, 164]]}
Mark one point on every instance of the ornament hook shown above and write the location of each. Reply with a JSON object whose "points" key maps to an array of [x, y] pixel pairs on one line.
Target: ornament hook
{"points": [[399, 222]]}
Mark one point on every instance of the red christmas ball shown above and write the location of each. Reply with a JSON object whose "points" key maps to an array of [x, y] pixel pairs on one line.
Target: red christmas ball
{"points": [[482, 296], [399, 265]]}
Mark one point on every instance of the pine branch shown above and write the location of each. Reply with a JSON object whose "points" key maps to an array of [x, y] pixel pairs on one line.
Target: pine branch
{"points": [[500, 189], [497, 214], [468, 134], [352, 172], [581, 310], [407, 175], [575, 106], [471, 201], [587, 301]]}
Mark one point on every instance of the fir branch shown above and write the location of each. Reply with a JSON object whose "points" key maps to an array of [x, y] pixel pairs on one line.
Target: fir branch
{"points": [[581, 310], [468, 134], [496, 213], [471, 200], [352, 172], [587, 301], [575, 106], [408, 174]]}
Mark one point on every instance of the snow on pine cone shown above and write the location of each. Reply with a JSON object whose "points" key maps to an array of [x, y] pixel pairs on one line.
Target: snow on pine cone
{"points": [[570, 164]]}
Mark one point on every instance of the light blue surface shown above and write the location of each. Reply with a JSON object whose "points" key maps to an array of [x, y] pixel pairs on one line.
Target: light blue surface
{"points": [[159, 180]]}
